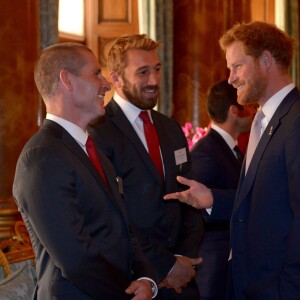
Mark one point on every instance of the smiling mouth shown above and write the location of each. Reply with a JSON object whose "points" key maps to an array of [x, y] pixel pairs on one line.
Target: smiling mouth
{"points": [[151, 89], [239, 86]]}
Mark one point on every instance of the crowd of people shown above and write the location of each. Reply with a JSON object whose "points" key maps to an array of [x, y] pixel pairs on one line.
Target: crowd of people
{"points": [[116, 205]]}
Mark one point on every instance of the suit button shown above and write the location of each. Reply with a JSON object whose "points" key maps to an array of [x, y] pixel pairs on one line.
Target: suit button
{"points": [[239, 220]]}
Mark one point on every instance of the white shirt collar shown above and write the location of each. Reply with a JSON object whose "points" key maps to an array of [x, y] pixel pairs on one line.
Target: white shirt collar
{"points": [[75, 131], [131, 111], [272, 104], [225, 135]]}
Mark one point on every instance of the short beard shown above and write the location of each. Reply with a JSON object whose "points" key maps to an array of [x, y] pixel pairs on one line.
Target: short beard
{"points": [[134, 98], [257, 89]]}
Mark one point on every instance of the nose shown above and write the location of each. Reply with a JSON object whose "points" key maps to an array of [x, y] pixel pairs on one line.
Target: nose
{"points": [[232, 77], [105, 84], [154, 78]]}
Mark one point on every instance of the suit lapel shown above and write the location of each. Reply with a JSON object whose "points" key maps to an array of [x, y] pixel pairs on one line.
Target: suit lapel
{"points": [[120, 120], [223, 146], [247, 180], [70, 143]]}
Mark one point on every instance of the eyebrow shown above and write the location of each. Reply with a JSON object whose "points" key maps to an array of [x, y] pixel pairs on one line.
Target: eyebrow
{"points": [[147, 66]]}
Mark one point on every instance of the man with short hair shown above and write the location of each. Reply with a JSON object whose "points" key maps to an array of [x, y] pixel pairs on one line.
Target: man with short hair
{"points": [[73, 211], [217, 162], [148, 164], [265, 222]]}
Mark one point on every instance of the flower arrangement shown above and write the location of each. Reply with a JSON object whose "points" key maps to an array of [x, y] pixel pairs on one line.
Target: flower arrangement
{"points": [[193, 134]]}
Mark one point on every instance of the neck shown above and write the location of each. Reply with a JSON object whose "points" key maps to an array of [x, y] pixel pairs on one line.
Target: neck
{"points": [[229, 129]]}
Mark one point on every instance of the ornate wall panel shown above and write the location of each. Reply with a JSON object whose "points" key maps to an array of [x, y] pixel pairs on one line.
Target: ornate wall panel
{"points": [[19, 35], [198, 60]]}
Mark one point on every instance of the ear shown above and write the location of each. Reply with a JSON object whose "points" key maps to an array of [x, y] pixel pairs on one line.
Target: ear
{"points": [[267, 59], [116, 79], [233, 110], [64, 76]]}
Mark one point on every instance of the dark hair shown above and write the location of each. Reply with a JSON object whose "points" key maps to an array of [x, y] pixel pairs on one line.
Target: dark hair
{"points": [[220, 97]]}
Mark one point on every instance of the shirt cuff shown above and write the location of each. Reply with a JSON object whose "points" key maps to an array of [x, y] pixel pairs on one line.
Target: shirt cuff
{"points": [[153, 286]]}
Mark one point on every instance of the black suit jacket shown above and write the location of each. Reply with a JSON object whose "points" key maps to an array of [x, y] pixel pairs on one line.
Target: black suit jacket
{"points": [[216, 166], [78, 227], [164, 228], [265, 224]]}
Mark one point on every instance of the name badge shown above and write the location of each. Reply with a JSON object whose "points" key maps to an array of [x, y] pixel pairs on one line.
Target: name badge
{"points": [[180, 156]]}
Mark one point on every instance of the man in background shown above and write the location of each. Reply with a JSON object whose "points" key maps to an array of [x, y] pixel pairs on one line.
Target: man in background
{"points": [[217, 162], [73, 211], [148, 151]]}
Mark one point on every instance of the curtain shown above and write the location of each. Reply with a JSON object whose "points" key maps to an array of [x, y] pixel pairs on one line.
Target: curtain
{"points": [[48, 36], [291, 25], [48, 22], [156, 20], [164, 33]]}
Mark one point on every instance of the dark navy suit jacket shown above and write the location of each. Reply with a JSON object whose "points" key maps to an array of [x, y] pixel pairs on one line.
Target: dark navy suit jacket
{"points": [[78, 226], [164, 228], [216, 166], [265, 224]]}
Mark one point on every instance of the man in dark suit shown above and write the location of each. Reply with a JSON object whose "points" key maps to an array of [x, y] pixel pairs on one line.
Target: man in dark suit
{"points": [[170, 233], [265, 222], [217, 163], [77, 222]]}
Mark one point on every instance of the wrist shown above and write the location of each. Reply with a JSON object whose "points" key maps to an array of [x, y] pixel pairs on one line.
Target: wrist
{"points": [[154, 288]]}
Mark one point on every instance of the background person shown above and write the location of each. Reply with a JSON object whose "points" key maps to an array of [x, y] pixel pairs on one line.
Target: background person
{"points": [[217, 163]]}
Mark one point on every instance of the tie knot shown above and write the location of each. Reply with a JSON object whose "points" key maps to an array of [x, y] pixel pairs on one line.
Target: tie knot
{"points": [[89, 142], [259, 116], [144, 116]]}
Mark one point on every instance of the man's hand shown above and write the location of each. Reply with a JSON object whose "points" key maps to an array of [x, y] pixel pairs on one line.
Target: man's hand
{"points": [[141, 289], [182, 273], [198, 195]]}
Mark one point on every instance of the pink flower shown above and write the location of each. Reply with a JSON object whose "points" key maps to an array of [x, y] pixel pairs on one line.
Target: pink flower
{"points": [[193, 135], [187, 129]]}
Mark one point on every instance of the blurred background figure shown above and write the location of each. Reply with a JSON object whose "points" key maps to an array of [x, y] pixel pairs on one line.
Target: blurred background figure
{"points": [[217, 162]]}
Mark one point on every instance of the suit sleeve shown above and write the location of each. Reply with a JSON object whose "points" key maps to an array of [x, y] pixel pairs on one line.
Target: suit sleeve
{"points": [[206, 171]]}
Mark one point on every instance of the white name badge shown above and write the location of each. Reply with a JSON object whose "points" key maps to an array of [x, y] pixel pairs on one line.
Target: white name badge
{"points": [[180, 156]]}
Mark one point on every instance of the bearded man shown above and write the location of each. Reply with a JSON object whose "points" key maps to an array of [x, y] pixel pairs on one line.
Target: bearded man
{"points": [[148, 151]]}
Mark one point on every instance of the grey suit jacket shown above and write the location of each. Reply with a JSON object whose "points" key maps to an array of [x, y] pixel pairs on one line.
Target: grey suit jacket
{"points": [[78, 227]]}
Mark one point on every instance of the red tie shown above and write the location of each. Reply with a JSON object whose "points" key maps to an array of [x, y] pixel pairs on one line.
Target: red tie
{"points": [[152, 142], [92, 152]]}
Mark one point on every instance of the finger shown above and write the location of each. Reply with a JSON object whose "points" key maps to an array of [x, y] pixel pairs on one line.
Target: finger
{"points": [[184, 181], [178, 290], [196, 261], [171, 196], [132, 288]]}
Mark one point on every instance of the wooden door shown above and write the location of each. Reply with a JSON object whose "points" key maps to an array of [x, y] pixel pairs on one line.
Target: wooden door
{"points": [[105, 21]]}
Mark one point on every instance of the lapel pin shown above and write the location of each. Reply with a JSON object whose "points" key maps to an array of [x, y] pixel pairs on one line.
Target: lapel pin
{"points": [[271, 130]]}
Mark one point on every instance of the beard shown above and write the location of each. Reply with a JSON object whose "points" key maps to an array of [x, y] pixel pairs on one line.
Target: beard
{"points": [[256, 89], [134, 95]]}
